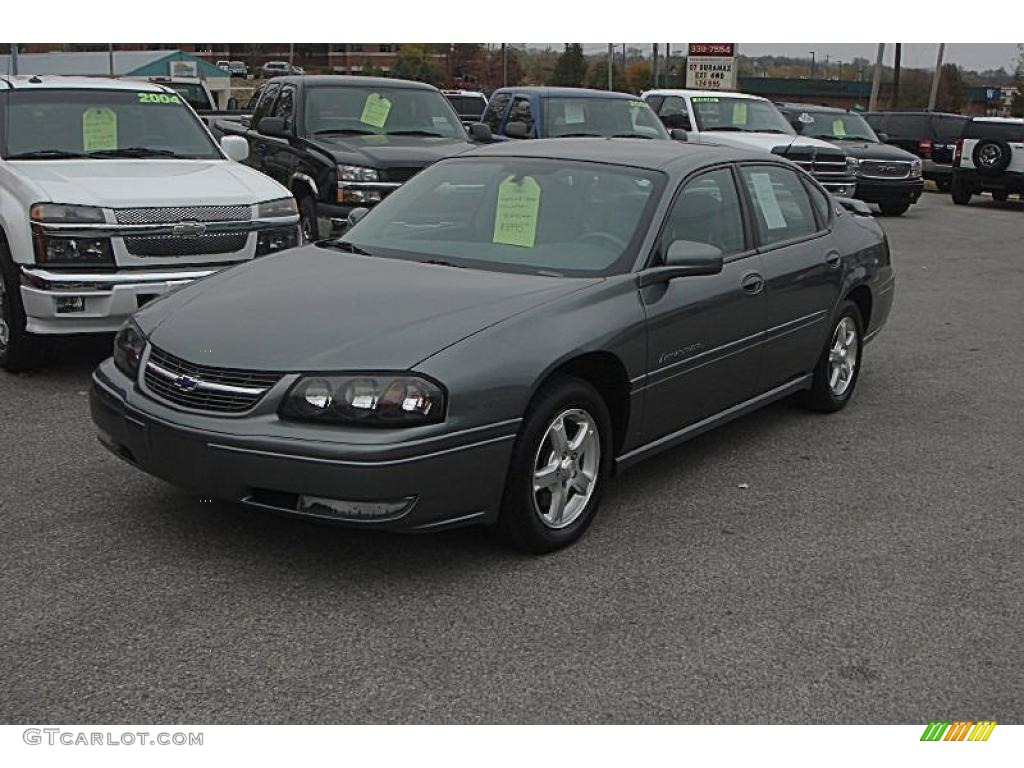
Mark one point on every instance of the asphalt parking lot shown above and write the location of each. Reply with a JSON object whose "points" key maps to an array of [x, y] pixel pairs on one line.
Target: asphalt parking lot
{"points": [[861, 567]]}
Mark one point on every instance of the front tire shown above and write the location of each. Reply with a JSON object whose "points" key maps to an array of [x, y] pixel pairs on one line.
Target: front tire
{"points": [[19, 349], [307, 219], [943, 185], [558, 468], [961, 193], [838, 368], [894, 208], [1000, 195]]}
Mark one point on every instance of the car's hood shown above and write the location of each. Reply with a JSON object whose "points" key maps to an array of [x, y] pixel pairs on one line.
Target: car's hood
{"points": [[392, 151], [149, 182], [873, 150], [763, 141], [319, 309]]}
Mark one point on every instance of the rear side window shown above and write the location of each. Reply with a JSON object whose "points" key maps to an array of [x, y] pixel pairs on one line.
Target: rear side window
{"points": [[908, 126], [782, 210], [984, 129], [495, 110], [875, 121], [949, 128]]}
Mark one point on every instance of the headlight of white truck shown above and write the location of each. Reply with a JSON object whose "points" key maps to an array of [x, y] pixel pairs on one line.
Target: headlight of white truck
{"points": [[54, 249], [274, 209]]}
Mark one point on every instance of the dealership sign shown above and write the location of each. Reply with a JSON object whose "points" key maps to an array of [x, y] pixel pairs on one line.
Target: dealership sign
{"points": [[711, 66]]}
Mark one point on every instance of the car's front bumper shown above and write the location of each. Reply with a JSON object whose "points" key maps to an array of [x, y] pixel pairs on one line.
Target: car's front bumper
{"points": [[107, 299], [889, 190], [451, 479]]}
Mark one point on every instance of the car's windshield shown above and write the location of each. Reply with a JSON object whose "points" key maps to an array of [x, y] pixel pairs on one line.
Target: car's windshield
{"points": [[835, 125], [380, 110], [194, 94], [574, 116], [727, 113], [88, 122], [514, 215], [468, 105]]}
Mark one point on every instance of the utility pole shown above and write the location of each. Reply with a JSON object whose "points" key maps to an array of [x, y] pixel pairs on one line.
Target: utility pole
{"points": [[654, 66], [504, 65], [812, 65], [623, 58], [935, 78], [110, 57], [610, 60], [895, 101], [876, 79], [14, 59], [291, 57]]}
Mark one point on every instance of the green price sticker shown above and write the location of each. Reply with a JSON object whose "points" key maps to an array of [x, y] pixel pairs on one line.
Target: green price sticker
{"points": [[704, 99], [739, 113], [515, 219], [638, 104], [838, 128], [375, 110], [99, 129]]}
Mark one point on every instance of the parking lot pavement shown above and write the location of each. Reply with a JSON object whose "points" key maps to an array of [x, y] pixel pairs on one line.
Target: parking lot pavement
{"points": [[861, 567]]}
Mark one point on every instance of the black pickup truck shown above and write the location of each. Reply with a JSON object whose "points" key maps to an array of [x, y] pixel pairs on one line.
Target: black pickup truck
{"points": [[340, 142]]}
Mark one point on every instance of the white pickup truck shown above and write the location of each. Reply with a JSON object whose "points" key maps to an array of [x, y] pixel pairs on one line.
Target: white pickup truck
{"points": [[752, 122], [111, 193]]}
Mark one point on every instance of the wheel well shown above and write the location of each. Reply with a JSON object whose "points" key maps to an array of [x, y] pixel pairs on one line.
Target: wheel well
{"points": [[301, 188], [861, 296], [606, 373]]}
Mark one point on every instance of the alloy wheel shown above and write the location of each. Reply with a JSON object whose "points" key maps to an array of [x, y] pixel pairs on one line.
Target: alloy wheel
{"points": [[842, 356], [5, 331], [565, 468]]}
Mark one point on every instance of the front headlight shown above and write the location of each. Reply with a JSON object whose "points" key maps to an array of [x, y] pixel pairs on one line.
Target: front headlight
{"points": [[53, 249], [274, 209], [915, 169], [357, 173], [853, 166], [373, 400], [129, 344], [54, 213]]}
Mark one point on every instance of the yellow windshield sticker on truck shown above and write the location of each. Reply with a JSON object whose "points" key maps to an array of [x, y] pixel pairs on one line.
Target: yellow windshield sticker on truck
{"points": [[515, 219], [838, 129], [375, 110], [739, 113], [704, 99], [99, 129]]}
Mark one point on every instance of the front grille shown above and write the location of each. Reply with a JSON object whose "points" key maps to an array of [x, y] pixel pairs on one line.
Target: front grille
{"points": [[399, 174], [183, 213], [206, 397], [885, 169], [169, 245]]}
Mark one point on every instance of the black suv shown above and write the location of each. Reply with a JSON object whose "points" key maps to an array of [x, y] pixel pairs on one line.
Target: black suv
{"points": [[929, 135], [886, 175]]}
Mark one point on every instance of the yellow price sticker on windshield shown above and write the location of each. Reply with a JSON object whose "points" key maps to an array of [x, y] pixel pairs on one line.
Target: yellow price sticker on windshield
{"points": [[739, 113], [99, 129], [838, 128], [515, 219], [375, 110]]}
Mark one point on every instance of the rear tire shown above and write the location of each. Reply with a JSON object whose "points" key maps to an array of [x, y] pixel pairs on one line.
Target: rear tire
{"points": [[556, 476], [960, 192], [838, 368], [943, 185], [894, 208], [1000, 195], [19, 349]]}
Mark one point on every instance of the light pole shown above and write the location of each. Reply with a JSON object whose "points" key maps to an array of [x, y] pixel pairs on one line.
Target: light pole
{"points": [[610, 60], [812, 65]]}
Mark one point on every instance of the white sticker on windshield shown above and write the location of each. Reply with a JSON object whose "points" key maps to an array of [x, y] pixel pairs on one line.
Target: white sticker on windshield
{"points": [[574, 113], [768, 202]]}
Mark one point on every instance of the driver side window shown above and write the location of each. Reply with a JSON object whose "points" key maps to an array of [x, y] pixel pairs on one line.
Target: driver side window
{"points": [[707, 211], [673, 113]]}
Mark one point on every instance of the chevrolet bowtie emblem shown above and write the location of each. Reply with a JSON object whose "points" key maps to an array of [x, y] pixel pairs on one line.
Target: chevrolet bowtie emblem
{"points": [[188, 229]]}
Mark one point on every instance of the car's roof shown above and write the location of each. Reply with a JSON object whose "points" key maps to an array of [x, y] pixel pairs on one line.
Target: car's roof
{"points": [[1000, 120], [457, 92], [912, 113], [30, 82], [356, 81], [548, 92], [650, 154], [692, 92], [809, 107]]}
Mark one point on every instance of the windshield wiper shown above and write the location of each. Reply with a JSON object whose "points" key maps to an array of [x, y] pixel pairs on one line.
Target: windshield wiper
{"points": [[344, 245], [45, 154], [135, 152], [631, 136], [726, 128], [577, 135], [414, 133], [344, 131], [440, 263]]}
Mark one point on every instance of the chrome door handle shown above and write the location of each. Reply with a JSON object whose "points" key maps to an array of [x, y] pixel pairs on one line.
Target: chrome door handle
{"points": [[833, 259], [752, 282]]}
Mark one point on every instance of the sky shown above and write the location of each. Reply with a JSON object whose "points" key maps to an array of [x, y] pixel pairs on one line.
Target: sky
{"points": [[977, 56]]}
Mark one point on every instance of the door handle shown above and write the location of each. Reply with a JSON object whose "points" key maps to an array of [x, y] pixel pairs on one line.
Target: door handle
{"points": [[752, 282], [833, 259]]}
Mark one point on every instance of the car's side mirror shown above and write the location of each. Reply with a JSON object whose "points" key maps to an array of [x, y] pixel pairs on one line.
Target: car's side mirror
{"points": [[685, 258], [275, 127], [479, 132], [517, 130], [356, 215], [235, 147], [679, 134], [883, 137]]}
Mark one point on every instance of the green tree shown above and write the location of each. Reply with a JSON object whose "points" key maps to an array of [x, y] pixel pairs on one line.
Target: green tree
{"points": [[952, 92], [638, 76], [571, 67], [597, 75], [416, 62], [370, 69]]}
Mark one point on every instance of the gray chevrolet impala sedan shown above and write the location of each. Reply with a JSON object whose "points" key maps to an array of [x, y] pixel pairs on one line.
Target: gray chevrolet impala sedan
{"points": [[502, 334]]}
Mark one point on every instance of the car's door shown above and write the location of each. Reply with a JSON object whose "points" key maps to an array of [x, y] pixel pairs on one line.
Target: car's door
{"points": [[281, 155], [704, 333], [801, 263], [259, 144]]}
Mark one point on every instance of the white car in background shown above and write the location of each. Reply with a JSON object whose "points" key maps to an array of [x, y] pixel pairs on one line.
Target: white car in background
{"points": [[752, 122], [112, 192]]}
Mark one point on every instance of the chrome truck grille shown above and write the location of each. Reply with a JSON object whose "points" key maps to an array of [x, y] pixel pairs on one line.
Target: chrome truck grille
{"points": [[205, 388], [183, 213], [828, 167], [169, 245], [885, 169], [184, 245]]}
